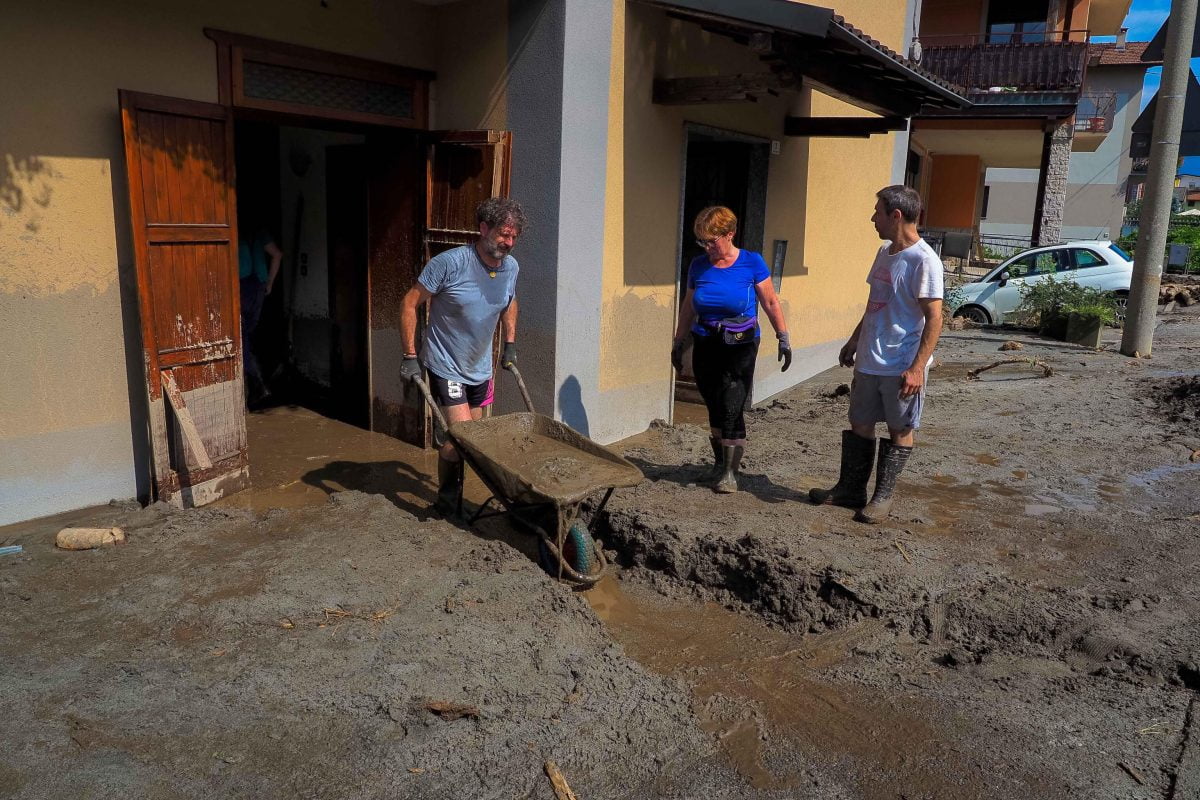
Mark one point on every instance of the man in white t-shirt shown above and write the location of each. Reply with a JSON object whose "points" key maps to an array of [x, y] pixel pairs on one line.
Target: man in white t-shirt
{"points": [[890, 350]]}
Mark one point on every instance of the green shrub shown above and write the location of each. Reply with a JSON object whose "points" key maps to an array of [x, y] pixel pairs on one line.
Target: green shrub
{"points": [[1054, 296]]}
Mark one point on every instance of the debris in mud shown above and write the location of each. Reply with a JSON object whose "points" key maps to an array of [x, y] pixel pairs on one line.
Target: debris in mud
{"points": [[562, 791], [842, 390], [88, 538], [1011, 345], [1133, 773], [1033, 362], [451, 711]]}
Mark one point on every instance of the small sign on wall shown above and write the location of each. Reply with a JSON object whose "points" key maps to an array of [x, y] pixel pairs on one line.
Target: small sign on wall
{"points": [[778, 257]]}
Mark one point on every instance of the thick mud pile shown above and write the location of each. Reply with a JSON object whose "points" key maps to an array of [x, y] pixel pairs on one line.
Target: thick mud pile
{"points": [[1036, 569], [298, 655], [1179, 401]]}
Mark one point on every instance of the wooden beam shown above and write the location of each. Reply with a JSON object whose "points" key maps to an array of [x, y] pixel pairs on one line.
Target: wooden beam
{"points": [[719, 89], [842, 126], [186, 424]]}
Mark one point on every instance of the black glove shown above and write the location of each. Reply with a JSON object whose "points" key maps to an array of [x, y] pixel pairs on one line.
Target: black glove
{"points": [[410, 369], [677, 354], [785, 350], [508, 358]]}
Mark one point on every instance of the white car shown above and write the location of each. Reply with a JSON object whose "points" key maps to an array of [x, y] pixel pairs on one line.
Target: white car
{"points": [[1097, 264]]}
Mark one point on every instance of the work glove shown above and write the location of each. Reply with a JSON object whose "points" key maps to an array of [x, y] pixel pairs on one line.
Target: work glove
{"points": [[677, 354], [508, 357], [410, 369], [785, 350]]}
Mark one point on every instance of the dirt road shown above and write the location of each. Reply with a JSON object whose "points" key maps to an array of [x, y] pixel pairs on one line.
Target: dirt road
{"points": [[1023, 627]]}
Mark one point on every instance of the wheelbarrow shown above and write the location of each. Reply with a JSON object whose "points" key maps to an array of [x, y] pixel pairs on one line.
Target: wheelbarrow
{"points": [[540, 472]]}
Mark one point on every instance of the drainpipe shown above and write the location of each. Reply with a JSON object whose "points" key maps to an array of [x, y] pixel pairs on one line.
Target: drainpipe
{"points": [[1137, 339]]}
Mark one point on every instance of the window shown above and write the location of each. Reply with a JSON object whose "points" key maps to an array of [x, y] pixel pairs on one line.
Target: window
{"points": [[987, 196], [1116, 248], [1044, 263], [1017, 22], [1086, 258]]}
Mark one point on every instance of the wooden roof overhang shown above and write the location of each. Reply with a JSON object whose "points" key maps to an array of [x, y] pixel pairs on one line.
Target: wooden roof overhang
{"points": [[805, 43]]}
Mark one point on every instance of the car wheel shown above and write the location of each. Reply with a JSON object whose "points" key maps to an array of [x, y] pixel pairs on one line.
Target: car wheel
{"points": [[1122, 305], [975, 314]]}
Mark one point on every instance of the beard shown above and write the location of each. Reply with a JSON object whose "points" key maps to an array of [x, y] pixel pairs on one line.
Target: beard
{"points": [[494, 250]]}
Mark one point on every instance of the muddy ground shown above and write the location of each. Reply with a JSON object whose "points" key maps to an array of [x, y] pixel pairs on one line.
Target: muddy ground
{"points": [[1025, 626]]}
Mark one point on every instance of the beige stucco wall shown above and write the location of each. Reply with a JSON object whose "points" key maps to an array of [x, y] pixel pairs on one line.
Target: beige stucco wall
{"points": [[71, 388], [820, 195]]}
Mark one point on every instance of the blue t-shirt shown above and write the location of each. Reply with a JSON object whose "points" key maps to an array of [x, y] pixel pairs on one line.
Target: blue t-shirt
{"points": [[468, 298], [722, 292]]}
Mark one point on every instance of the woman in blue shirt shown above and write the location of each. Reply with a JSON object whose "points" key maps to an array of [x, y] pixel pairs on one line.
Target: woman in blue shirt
{"points": [[720, 312]]}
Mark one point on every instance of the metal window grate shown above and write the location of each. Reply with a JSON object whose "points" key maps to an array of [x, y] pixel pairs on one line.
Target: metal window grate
{"points": [[305, 87]]}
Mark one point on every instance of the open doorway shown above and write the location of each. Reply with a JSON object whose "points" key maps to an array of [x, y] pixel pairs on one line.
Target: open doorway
{"points": [[308, 188], [721, 168]]}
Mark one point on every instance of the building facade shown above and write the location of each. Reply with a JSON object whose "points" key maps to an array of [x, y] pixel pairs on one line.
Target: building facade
{"points": [[1024, 65], [360, 133], [1098, 182]]}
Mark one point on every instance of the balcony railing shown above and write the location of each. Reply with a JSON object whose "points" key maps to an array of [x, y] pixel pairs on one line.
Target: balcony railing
{"points": [[1095, 113], [991, 66]]}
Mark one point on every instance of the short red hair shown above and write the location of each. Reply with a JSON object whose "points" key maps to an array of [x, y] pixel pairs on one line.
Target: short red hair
{"points": [[713, 222]]}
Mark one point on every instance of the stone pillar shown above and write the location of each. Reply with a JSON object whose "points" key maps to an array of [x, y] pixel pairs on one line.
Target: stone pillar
{"points": [[1052, 182]]}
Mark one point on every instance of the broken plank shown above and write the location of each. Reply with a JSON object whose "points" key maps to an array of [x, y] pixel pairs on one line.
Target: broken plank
{"points": [[186, 424], [562, 791]]}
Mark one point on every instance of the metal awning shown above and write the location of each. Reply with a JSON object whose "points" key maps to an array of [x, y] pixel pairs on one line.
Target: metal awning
{"points": [[799, 40]]}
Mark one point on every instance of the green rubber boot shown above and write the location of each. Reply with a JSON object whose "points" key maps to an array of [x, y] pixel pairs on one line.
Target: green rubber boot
{"points": [[851, 489], [733, 459], [450, 488], [892, 459]]}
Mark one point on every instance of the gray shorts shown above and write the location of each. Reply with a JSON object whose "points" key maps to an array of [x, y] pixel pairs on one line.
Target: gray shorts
{"points": [[876, 398]]}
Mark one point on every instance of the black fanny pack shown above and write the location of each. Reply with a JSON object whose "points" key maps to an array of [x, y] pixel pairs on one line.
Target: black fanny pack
{"points": [[734, 330]]}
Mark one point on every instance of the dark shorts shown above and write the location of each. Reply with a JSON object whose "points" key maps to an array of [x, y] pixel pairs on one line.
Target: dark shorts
{"points": [[454, 393]]}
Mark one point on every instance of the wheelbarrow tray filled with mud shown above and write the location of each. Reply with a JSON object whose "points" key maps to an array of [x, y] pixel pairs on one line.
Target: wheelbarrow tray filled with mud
{"points": [[541, 471], [531, 459]]}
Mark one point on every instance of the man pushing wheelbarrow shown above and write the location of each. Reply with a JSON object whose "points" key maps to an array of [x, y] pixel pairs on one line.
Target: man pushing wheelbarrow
{"points": [[469, 289], [541, 471]]}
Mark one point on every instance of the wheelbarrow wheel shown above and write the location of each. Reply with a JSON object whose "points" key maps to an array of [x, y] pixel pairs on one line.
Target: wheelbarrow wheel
{"points": [[577, 551]]}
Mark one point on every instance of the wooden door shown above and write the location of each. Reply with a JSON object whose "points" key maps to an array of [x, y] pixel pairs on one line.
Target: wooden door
{"points": [[422, 200], [179, 159]]}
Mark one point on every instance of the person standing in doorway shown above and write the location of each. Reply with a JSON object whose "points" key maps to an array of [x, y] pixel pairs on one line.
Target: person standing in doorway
{"points": [[258, 267], [890, 350], [720, 315], [469, 289]]}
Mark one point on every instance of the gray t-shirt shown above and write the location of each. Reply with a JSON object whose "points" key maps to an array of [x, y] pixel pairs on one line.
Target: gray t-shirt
{"points": [[466, 305]]}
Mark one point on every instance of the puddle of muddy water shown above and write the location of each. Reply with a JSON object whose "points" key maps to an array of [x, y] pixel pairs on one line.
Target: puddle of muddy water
{"points": [[987, 459], [775, 678]]}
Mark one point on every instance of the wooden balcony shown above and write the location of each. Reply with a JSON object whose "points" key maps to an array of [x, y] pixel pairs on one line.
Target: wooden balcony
{"points": [[1011, 70]]}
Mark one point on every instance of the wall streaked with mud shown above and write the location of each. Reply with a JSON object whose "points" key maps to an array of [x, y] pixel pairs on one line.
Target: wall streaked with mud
{"points": [[72, 399]]}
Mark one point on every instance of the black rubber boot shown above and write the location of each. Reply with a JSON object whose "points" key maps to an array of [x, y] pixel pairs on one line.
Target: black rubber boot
{"points": [[858, 455], [450, 488], [732, 457], [892, 459], [718, 468]]}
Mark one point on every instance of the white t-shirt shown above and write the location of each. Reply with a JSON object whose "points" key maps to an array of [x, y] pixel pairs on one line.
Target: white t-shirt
{"points": [[891, 331]]}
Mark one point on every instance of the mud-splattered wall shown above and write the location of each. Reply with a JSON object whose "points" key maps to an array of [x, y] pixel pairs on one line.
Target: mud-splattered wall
{"points": [[72, 422], [820, 197]]}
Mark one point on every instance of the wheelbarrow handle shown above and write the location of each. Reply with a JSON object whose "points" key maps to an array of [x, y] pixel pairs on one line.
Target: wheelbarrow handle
{"points": [[521, 385], [433, 407]]}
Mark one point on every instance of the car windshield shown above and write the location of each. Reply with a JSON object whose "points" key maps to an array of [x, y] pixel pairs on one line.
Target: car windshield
{"points": [[1116, 248]]}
